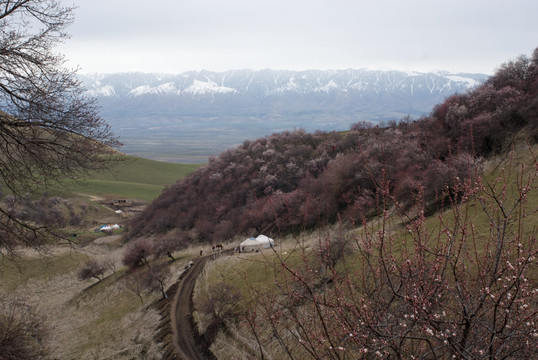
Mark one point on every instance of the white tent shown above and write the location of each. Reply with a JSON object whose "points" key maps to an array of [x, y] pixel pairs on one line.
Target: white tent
{"points": [[265, 241], [256, 244], [104, 228]]}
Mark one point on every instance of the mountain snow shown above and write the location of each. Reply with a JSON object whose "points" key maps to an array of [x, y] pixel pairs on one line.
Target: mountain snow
{"points": [[196, 114], [331, 85], [164, 89], [207, 87], [101, 91], [461, 79], [276, 82]]}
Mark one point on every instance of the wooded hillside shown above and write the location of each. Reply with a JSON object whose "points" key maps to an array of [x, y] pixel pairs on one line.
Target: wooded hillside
{"points": [[296, 180]]}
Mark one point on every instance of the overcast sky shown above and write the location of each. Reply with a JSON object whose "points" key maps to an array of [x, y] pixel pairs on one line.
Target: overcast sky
{"points": [[173, 36]]}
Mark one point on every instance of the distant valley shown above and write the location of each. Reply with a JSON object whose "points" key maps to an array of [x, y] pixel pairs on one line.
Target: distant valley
{"points": [[191, 116]]}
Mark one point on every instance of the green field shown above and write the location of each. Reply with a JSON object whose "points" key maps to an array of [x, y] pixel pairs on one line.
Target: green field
{"points": [[134, 178]]}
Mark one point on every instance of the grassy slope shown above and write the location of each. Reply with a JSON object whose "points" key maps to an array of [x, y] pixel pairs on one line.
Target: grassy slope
{"points": [[103, 320], [134, 178], [514, 169], [259, 271], [106, 320], [88, 320]]}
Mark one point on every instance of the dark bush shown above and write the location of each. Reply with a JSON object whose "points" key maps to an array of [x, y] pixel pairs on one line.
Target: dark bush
{"points": [[23, 333], [92, 269], [137, 253]]}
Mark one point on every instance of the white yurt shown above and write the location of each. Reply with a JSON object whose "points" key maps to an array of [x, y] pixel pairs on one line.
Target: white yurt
{"points": [[266, 241], [256, 244]]}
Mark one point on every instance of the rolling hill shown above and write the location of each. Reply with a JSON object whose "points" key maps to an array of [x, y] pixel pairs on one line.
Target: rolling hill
{"points": [[415, 239], [134, 178]]}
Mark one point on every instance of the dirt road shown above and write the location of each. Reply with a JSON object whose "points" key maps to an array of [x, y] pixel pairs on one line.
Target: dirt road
{"points": [[188, 345]]}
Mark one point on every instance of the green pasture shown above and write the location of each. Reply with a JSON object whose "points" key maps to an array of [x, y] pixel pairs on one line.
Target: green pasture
{"points": [[17, 273], [134, 178], [145, 171], [122, 189]]}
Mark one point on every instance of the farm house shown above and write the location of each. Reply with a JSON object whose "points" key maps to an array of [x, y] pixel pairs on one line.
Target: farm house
{"points": [[256, 244]]}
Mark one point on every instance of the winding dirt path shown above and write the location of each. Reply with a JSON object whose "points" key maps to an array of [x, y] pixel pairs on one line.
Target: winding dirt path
{"points": [[187, 343]]}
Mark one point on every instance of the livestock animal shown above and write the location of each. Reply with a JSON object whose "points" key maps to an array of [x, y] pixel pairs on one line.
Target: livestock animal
{"points": [[217, 247]]}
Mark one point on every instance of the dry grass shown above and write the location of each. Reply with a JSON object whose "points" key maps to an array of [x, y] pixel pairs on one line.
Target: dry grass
{"points": [[104, 320], [88, 320]]}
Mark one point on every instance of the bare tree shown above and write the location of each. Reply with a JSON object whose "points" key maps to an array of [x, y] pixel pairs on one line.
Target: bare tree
{"points": [[23, 334], [333, 248], [155, 278], [166, 245], [152, 278], [49, 129], [137, 253], [221, 305], [92, 269], [459, 287], [222, 301], [135, 283]]}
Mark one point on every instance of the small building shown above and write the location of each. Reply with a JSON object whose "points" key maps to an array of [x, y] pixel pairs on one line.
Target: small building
{"points": [[256, 244], [121, 202]]}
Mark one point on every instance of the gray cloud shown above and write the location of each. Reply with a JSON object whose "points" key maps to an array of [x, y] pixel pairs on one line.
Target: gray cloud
{"points": [[174, 36]]}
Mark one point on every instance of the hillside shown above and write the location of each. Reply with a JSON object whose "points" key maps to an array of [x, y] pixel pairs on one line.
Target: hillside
{"points": [[458, 283], [133, 178], [64, 314], [413, 240], [291, 181], [433, 272], [80, 206]]}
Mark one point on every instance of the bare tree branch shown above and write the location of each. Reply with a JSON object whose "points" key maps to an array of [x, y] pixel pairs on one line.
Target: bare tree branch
{"points": [[49, 129]]}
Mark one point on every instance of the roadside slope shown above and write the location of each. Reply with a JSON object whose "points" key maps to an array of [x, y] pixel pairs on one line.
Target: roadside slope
{"points": [[188, 345]]}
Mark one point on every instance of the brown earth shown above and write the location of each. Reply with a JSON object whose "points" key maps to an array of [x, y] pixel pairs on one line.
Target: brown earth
{"points": [[178, 331]]}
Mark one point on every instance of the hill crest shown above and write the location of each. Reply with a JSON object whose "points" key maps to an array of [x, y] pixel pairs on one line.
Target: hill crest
{"points": [[294, 180]]}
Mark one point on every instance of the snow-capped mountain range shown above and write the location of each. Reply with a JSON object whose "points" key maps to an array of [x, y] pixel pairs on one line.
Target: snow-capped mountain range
{"points": [[242, 104], [276, 82]]}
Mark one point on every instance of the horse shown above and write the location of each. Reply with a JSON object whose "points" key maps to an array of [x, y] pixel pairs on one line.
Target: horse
{"points": [[217, 247]]}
